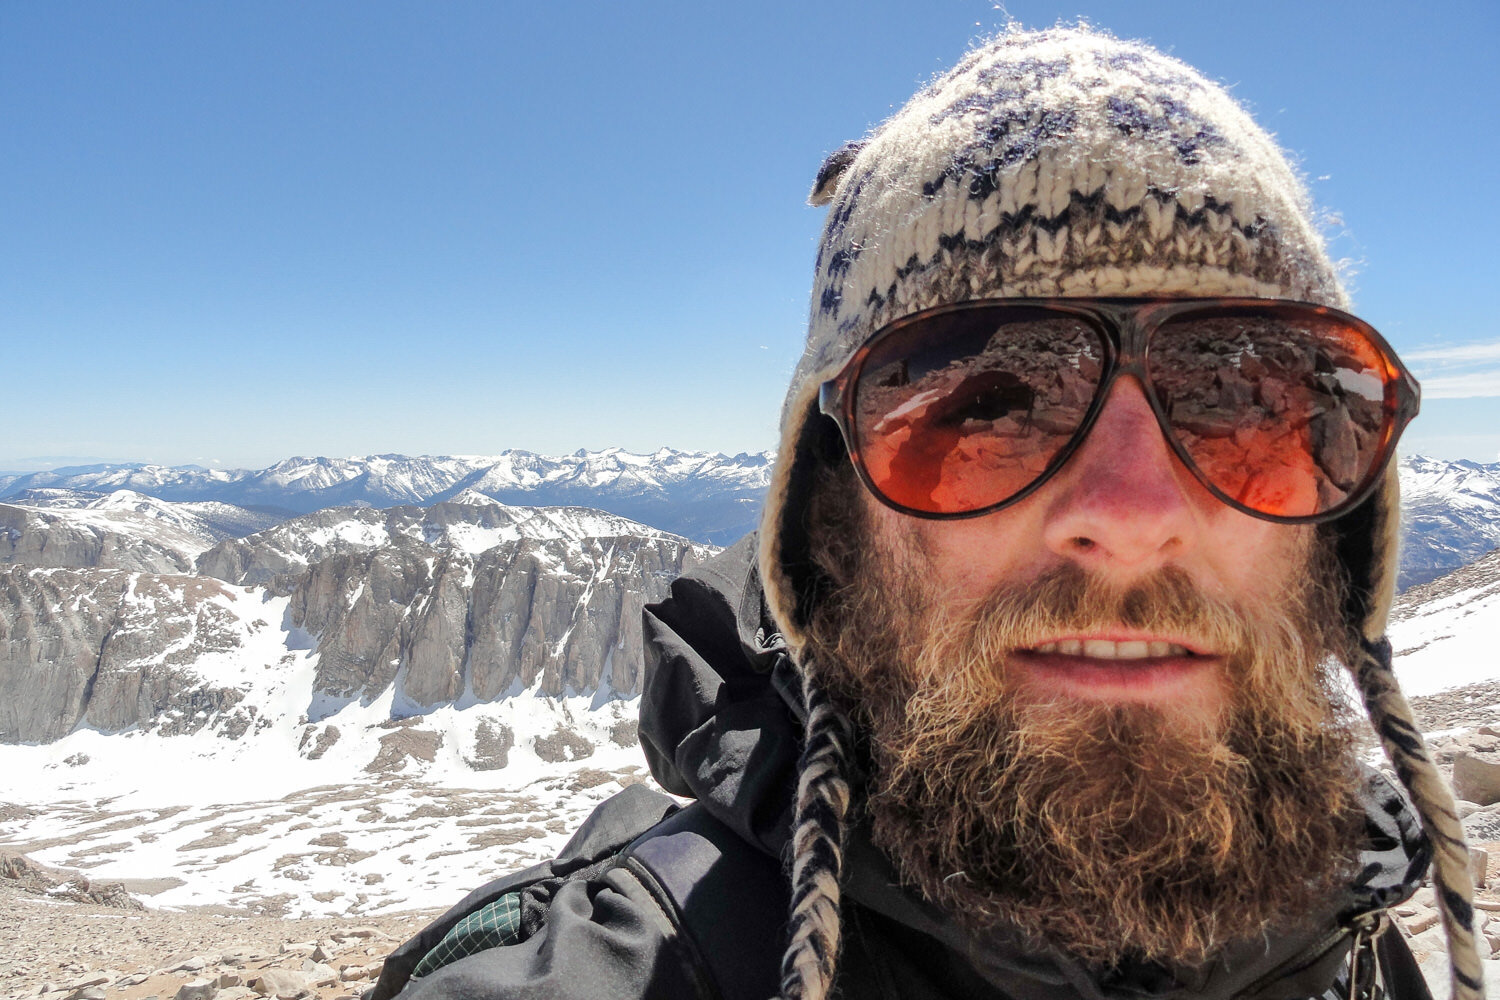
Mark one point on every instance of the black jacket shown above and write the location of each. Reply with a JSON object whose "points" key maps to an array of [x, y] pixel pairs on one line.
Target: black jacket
{"points": [[694, 906]]}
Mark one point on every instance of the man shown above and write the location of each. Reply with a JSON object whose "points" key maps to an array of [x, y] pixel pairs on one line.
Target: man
{"points": [[1028, 679]]}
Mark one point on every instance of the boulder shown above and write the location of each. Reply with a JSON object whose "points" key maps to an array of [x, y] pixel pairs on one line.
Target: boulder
{"points": [[1481, 742], [240, 957], [354, 973], [91, 979], [198, 989], [284, 983], [318, 973], [1429, 942], [1421, 922], [1476, 780]]}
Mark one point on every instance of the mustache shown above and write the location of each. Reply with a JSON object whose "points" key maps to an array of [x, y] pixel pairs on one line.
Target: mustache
{"points": [[1270, 646], [1068, 599]]}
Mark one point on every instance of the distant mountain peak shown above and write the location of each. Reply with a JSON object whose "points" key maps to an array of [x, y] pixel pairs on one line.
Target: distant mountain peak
{"points": [[474, 498]]}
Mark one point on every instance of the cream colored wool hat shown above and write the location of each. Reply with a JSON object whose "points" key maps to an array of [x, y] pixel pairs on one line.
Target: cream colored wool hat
{"points": [[1061, 163]]}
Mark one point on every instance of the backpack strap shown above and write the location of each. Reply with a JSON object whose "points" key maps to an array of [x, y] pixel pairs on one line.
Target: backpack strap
{"points": [[729, 898]]}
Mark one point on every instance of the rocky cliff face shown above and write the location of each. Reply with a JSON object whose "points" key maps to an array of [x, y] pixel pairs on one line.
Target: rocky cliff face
{"points": [[111, 650], [460, 602], [464, 599], [77, 539]]}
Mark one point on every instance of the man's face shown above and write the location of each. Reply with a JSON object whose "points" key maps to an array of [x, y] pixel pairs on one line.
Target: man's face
{"points": [[1097, 717], [1122, 510]]}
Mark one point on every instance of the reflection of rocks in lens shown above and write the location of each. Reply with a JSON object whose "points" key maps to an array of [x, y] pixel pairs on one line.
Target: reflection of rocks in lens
{"points": [[1337, 448], [1003, 409], [1281, 418]]}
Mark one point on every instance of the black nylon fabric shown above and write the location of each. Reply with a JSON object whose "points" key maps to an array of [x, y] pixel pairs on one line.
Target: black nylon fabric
{"points": [[716, 720], [695, 907]]}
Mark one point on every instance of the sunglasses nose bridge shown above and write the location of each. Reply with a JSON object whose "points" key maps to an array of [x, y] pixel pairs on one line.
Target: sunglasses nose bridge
{"points": [[1130, 330]]}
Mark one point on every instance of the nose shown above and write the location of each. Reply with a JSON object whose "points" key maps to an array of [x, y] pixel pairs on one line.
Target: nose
{"points": [[1124, 505]]}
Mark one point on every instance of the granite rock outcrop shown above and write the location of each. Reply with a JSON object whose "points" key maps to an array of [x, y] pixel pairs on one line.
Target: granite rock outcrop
{"points": [[467, 600]]}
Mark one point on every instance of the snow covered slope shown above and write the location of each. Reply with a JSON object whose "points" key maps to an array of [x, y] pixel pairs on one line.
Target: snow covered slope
{"points": [[1450, 516], [1446, 633], [123, 530], [141, 514], [362, 811]]}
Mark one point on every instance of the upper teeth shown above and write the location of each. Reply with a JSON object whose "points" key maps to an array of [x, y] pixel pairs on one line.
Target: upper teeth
{"points": [[1104, 649]]}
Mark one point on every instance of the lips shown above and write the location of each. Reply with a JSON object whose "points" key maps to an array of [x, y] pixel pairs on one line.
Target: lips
{"points": [[1107, 649], [1125, 668]]}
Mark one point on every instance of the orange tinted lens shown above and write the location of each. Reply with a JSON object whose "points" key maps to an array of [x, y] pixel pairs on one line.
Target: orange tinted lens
{"points": [[963, 410], [1284, 410]]}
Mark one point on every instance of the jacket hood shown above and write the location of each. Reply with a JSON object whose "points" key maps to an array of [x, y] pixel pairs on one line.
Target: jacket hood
{"points": [[721, 722]]}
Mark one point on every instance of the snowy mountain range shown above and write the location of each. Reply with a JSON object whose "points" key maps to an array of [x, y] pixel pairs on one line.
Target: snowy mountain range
{"points": [[701, 495], [206, 690], [452, 597], [1451, 509]]}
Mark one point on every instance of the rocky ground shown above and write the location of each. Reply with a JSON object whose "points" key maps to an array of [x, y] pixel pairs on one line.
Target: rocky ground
{"points": [[66, 937]]}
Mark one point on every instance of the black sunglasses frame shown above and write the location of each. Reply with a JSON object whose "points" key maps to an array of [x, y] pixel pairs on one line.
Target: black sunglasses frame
{"points": [[1126, 325]]}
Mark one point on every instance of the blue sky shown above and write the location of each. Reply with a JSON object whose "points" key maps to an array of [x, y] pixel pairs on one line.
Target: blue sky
{"points": [[234, 232]]}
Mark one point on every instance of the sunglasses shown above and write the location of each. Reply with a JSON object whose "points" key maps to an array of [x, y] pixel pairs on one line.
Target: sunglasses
{"points": [[1283, 410]]}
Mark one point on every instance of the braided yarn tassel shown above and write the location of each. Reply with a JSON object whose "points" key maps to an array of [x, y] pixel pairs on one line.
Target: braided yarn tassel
{"points": [[811, 958], [1391, 716]]}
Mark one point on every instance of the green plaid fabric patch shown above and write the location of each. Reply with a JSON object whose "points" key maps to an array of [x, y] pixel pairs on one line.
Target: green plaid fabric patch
{"points": [[491, 926]]}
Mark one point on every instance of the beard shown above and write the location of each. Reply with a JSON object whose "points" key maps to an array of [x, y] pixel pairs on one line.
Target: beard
{"points": [[1115, 832]]}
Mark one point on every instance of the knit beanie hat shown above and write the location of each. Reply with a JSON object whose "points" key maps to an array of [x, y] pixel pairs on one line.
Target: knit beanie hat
{"points": [[1061, 163]]}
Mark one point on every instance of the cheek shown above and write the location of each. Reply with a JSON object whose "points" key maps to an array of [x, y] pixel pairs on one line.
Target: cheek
{"points": [[958, 561], [1246, 558]]}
